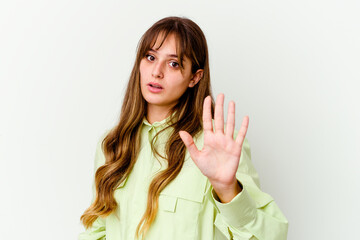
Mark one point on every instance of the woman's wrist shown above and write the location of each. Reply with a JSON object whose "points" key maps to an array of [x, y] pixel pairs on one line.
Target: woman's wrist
{"points": [[226, 193]]}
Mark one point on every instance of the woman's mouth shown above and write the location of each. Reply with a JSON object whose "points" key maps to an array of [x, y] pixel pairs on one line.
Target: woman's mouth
{"points": [[155, 87]]}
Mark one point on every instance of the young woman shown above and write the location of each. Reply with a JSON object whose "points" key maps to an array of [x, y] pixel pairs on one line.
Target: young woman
{"points": [[167, 170]]}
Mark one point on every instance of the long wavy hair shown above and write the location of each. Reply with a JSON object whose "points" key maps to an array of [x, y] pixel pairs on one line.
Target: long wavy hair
{"points": [[122, 143]]}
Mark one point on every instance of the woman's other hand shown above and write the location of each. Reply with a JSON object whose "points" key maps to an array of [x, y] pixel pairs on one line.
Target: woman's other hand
{"points": [[220, 156]]}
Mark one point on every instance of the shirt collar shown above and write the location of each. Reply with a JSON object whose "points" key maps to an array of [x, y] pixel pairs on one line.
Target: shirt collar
{"points": [[163, 123]]}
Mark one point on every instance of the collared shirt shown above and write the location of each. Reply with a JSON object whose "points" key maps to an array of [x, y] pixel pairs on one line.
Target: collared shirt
{"points": [[189, 208]]}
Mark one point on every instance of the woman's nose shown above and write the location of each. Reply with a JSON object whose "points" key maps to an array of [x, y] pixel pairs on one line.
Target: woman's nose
{"points": [[157, 71]]}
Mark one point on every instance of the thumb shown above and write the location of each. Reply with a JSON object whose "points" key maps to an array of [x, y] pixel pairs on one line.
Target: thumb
{"points": [[189, 143]]}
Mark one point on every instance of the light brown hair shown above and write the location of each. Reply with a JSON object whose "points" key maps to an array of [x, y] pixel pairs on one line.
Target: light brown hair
{"points": [[122, 143]]}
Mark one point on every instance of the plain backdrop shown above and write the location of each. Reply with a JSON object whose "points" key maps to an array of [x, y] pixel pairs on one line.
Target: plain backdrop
{"points": [[292, 66]]}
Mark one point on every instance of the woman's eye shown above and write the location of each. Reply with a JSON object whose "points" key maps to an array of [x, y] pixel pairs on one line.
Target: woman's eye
{"points": [[174, 64], [150, 57]]}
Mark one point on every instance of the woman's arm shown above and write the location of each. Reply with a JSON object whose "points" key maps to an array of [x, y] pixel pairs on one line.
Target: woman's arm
{"points": [[252, 214], [243, 208]]}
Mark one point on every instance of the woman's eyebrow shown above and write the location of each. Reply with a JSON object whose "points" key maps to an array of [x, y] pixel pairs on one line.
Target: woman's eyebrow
{"points": [[170, 55]]}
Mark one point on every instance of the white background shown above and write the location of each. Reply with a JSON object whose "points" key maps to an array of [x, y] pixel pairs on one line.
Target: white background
{"points": [[292, 66]]}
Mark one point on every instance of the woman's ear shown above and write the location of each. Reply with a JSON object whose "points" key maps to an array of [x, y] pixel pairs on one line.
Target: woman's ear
{"points": [[196, 77]]}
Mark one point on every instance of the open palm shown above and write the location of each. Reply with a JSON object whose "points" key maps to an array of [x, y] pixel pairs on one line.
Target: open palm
{"points": [[220, 156]]}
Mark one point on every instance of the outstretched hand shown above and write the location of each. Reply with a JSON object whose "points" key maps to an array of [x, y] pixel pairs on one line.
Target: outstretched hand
{"points": [[220, 156]]}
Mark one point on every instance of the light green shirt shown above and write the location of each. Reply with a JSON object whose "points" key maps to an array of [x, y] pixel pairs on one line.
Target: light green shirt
{"points": [[188, 207]]}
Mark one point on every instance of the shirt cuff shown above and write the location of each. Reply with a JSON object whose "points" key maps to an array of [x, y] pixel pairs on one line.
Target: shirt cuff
{"points": [[239, 211]]}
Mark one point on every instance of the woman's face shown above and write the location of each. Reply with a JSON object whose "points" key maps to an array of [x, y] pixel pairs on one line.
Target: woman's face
{"points": [[162, 83]]}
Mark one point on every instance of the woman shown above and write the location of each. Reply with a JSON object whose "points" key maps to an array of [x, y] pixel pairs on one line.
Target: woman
{"points": [[152, 180]]}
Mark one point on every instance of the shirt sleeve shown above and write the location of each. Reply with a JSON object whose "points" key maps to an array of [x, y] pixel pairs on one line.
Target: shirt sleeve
{"points": [[252, 214], [98, 230]]}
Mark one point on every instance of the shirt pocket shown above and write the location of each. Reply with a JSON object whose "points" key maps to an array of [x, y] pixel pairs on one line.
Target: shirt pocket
{"points": [[181, 196], [187, 189], [167, 203], [180, 204], [178, 216]]}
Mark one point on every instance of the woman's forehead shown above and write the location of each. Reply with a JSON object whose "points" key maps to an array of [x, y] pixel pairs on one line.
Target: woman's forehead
{"points": [[160, 38]]}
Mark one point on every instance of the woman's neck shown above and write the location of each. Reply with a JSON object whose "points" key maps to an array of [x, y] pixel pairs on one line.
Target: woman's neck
{"points": [[157, 113]]}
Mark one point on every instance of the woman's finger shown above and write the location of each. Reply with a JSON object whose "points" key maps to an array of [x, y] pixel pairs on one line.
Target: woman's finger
{"points": [[230, 121], [207, 118], [243, 129], [219, 113], [190, 145]]}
